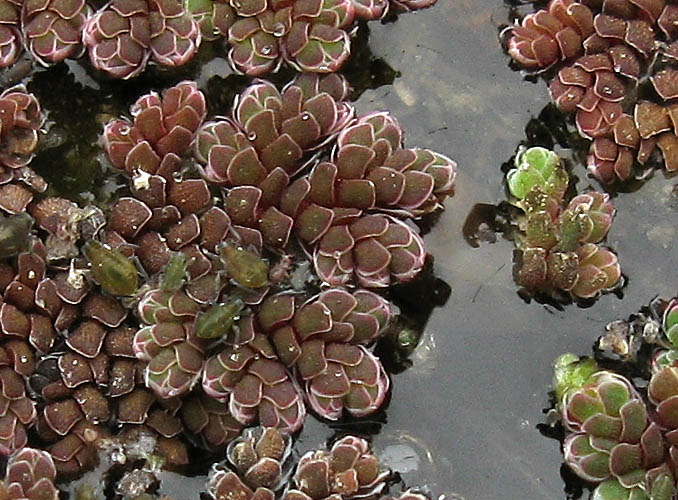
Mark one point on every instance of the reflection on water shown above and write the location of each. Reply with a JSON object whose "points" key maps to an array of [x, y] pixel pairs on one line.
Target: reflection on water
{"points": [[494, 352]]}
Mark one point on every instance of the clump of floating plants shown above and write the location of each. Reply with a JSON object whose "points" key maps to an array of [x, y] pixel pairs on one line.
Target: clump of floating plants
{"points": [[123, 36], [258, 464], [614, 67], [617, 409], [20, 121], [30, 474], [309, 35], [238, 279], [559, 240]]}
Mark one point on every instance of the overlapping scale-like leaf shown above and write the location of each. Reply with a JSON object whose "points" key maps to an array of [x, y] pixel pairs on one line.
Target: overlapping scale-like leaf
{"points": [[373, 251], [255, 384], [20, 120], [347, 470], [10, 35], [53, 29], [30, 474], [324, 340], [124, 34], [612, 436]]}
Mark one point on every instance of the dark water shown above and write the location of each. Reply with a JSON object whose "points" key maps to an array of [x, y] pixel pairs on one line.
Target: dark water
{"points": [[462, 420], [480, 378]]}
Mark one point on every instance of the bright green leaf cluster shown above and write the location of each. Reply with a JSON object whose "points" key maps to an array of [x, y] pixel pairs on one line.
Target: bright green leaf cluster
{"points": [[570, 372], [559, 239], [538, 172]]}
